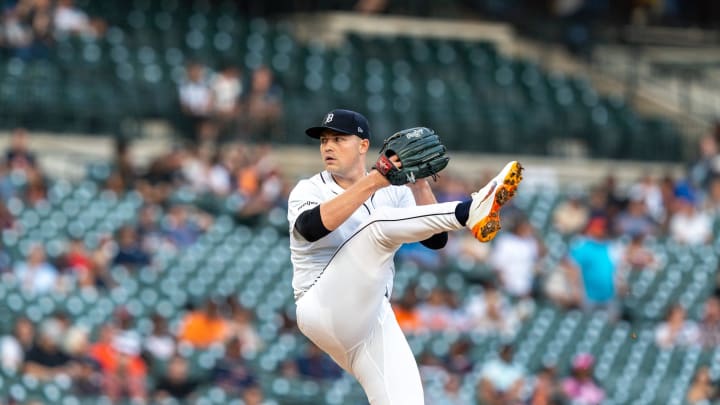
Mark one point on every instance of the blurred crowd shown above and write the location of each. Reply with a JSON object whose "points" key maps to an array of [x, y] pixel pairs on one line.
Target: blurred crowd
{"points": [[118, 361], [121, 363], [608, 230], [29, 28], [230, 104]]}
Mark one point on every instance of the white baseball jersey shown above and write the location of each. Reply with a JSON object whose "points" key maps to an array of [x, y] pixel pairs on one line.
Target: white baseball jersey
{"points": [[310, 258]]}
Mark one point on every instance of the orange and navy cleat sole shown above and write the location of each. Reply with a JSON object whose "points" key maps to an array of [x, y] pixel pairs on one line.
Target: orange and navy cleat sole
{"points": [[486, 229]]}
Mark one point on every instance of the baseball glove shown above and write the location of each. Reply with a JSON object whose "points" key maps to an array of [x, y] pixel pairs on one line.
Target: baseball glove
{"points": [[420, 152]]}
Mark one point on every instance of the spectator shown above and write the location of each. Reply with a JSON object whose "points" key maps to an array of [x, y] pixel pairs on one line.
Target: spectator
{"points": [[69, 19], [712, 200], [563, 286], [45, 359], [596, 266], [515, 256], [615, 200], [702, 390], [163, 176], [316, 364], [126, 336], [227, 90], [637, 256], [13, 347], [79, 262], [204, 327], [421, 256], [634, 220], [648, 190], [207, 172], [7, 221], [36, 275], [253, 395], [451, 394], [571, 215], [263, 106], [406, 312], [35, 18], [289, 370], [129, 251], [431, 367], [18, 156], [8, 188], [123, 164], [580, 388], [176, 383], [182, 230], [77, 258], [123, 371], [677, 330], [88, 376], [196, 102], [707, 165], [459, 359], [688, 225], [35, 188], [160, 345], [371, 6], [492, 313], [501, 380], [710, 325], [231, 373], [149, 234], [436, 313], [242, 327], [88, 379], [547, 390]]}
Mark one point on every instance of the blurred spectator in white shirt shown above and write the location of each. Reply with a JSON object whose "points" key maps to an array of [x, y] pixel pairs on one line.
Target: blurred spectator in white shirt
{"points": [[207, 171], [36, 275], [689, 225], [161, 345], [70, 19], [227, 90], [501, 380], [677, 330], [196, 103], [491, 312], [514, 256], [14, 346], [648, 190]]}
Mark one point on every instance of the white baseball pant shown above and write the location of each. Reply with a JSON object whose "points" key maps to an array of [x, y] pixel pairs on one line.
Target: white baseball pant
{"points": [[347, 314]]}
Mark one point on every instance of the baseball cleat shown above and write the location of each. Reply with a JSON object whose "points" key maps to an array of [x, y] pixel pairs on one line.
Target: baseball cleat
{"points": [[484, 219]]}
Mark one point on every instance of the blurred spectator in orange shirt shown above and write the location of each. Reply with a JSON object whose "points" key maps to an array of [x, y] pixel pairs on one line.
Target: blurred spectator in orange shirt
{"points": [[123, 369], [406, 311], [203, 327]]}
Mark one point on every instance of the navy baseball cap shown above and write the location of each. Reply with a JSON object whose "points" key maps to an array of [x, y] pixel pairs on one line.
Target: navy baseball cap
{"points": [[342, 121]]}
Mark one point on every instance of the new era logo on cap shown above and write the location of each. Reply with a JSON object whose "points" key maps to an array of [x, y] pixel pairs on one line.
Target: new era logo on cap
{"points": [[342, 121]]}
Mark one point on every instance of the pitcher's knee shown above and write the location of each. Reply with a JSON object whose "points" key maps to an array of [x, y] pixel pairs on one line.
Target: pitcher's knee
{"points": [[374, 228]]}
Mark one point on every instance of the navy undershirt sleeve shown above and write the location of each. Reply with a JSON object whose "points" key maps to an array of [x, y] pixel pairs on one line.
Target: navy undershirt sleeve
{"points": [[437, 241], [310, 226]]}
